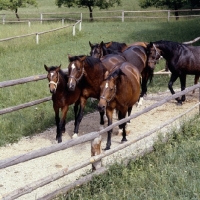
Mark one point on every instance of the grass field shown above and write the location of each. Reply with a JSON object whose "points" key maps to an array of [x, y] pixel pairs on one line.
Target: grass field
{"points": [[23, 57]]}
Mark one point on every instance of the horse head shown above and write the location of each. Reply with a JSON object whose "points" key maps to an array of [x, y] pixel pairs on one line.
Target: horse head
{"points": [[108, 90], [96, 50], [153, 54], [75, 71], [53, 77]]}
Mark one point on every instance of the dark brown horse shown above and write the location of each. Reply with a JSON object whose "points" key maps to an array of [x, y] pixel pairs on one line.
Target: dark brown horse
{"points": [[135, 54], [102, 49], [62, 98], [120, 90], [87, 73], [181, 59]]}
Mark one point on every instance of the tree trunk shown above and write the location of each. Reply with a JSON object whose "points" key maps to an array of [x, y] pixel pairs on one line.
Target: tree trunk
{"points": [[91, 16], [17, 14], [176, 12]]}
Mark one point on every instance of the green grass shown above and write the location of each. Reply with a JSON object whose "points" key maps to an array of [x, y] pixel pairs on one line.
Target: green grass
{"points": [[169, 172], [23, 57]]}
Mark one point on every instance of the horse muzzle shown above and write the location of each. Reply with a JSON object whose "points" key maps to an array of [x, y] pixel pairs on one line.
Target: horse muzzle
{"points": [[101, 107], [71, 87]]}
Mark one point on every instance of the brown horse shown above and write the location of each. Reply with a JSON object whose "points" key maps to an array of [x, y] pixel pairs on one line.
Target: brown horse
{"points": [[120, 90], [134, 53], [181, 60], [87, 73], [61, 97]]}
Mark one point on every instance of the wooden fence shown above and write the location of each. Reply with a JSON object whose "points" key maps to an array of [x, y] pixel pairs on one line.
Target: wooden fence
{"points": [[121, 15], [87, 137], [45, 32]]}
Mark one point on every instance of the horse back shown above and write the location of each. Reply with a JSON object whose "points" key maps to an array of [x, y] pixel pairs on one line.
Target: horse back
{"points": [[136, 55], [128, 84]]}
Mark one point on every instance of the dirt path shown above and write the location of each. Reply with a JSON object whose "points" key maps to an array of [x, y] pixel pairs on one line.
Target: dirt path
{"points": [[19, 175]]}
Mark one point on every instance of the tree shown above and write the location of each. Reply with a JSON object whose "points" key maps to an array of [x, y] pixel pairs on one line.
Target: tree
{"points": [[174, 4], [90, 4], [15, 4]]}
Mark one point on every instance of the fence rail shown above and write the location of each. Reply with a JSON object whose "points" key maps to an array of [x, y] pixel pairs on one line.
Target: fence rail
{"points": [[116, 14]]}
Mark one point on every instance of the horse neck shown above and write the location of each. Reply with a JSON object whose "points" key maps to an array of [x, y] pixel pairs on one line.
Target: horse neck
{"points": [[62, 84], [167, 50], [94, 74]]}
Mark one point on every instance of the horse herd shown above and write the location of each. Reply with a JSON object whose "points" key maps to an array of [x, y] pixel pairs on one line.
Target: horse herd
{"points": [[117, 75]]}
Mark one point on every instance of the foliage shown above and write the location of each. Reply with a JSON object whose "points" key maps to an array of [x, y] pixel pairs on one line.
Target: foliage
{"points": [[15, 4], [102, 4], [174, 4]]}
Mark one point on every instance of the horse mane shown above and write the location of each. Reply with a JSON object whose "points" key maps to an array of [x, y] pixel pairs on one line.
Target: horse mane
{"points": [[117, 45], [115, 74], [91, 61], [170, 44], [74, 58]]}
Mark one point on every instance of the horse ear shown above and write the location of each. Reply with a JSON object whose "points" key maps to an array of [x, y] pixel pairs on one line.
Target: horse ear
{"points": [[108, 44], [151, 44], [46, 68], [82, 58], [69, 58], [90, 44], [58, 68]]}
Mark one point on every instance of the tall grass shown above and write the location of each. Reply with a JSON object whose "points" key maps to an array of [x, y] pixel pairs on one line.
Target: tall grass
{"points": [[23, 57], [170, 172]]}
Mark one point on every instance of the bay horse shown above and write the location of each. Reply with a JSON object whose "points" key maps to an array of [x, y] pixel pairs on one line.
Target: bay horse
{"points": [[62, 98], [86, 73], [99, 50], [120, 90], [182, 60], [134, 53]]}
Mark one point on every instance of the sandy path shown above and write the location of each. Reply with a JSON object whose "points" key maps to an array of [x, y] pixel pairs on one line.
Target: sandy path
{"points": [[19, 175]]}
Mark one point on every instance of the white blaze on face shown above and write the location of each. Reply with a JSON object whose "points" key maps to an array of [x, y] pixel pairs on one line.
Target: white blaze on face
{"points": [[52, 74], [106, 86], [73, 67]]}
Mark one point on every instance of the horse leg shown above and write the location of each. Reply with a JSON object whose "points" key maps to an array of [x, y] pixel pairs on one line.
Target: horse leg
{"points": [[122, 126], [102, 120], [75, 112], [109, 114], [57, 119], [196, 79], [62, 123], [79, 116], [173, 78], [183, 84]]}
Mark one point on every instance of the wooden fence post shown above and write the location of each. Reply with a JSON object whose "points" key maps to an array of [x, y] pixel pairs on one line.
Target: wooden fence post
{"points": [[37, 38], [80, 25], [63, 21], [96, 150], [122, 15], [41, 17], [4, 16], [168, 15], [29, 24], [73, 32]]}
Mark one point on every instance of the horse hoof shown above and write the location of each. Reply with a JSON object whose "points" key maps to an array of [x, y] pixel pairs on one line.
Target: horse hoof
{"points": [[123, 141], [75, 135], [59, 140], [179, 103], [107, 148]]}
